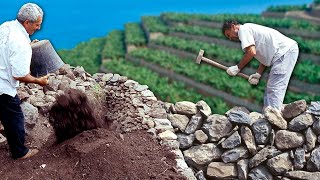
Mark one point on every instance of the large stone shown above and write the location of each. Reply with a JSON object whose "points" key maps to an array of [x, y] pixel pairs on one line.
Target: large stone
{"points": [[301, 122], [204, 108], [186, 108], [260, 173], [248, 139], [280, 164], [222, 170], [201, 155], [232, 141], [30, 114], [216, 127], [311, 139], [240, 117], [303, 175], [201, 136], [288, 140], [178, 121], [262, 155], [313, 163], [316, 127], [243, 169], [233, 155], [275, 118], [194, 124], [299, 158], [294, 109], [261, 130], [185, 140]]}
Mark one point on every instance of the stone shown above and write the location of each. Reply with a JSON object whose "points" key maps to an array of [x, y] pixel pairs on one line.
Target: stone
{"points": [[294, 109], [239, 117], [233, 155], [313, 163], [185, 140], [301, 122], [248, 139], [311, 139], [264, 154], [194, 124], [288, 140], [299, 158], [178, 121], [216, 127], [204, 108], [201, 136], [274, 116], [304, 175], [280, 164], [232, 141], [261, 130], [260, 173], [222, 170], [243, 169], [186, 108]]}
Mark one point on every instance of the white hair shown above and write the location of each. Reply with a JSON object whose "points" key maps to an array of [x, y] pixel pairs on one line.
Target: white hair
{"points": [[29, 12]]}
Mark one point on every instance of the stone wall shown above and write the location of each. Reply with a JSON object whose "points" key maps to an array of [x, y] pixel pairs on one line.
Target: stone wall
{"points": [[236, 145]]}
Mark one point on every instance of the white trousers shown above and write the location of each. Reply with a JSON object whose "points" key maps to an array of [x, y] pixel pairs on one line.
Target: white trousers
{"points": [[279, 77]]}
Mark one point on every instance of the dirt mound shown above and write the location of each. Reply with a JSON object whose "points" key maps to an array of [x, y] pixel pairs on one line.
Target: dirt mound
{"points": [[95, 154]]}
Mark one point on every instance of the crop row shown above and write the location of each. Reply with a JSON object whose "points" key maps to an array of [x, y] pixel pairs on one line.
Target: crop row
{"points": [[243, 18], [235, 55], [114, 46], [162, 87], [134, 35], [305, 45]]}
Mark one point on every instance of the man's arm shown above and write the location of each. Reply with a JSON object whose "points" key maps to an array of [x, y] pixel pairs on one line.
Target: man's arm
{"points": [[261, 68], [42, 81], [249, 54]]}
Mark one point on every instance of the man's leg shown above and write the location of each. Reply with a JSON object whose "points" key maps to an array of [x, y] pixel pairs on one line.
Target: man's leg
{"points": [[279, 78], [12, 119]]}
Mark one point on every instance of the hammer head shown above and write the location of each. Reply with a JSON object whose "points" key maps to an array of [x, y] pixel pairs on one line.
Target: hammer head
{"points": [[200, 55]]}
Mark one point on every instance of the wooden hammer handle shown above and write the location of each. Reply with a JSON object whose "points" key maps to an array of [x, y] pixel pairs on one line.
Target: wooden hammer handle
{"points": [[213, 63]]}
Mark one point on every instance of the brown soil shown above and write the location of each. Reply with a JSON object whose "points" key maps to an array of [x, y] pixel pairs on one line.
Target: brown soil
{"points": [[95, 154]]}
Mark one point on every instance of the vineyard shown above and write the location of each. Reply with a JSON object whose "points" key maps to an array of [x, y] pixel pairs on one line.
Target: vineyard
{"points": [[161, 52]]}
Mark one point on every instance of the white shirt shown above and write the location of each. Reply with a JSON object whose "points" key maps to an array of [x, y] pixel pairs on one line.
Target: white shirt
{"points": [[270, 44], [15, 56]]}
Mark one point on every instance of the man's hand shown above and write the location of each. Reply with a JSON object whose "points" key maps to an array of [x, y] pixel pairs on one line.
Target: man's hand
{"points": [[42, 81], [233, 70], [254, 78]]}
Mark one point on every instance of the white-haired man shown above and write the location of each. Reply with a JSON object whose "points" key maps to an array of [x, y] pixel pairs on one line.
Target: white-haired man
{"points": [[15, 59]]}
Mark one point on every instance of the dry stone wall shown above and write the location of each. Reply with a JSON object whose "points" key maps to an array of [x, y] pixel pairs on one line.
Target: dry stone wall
{"points": [[236, 145]]}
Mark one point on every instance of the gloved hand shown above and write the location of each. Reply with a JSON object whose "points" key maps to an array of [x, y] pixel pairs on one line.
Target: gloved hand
{"points": [[254, 78], [233, 70], [34, 41]]}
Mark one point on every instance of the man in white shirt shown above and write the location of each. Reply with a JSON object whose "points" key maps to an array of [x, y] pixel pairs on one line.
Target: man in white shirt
{"points": [[15, 59], [270, 48]]}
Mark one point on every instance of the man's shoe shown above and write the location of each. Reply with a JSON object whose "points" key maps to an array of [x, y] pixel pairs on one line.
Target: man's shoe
{"points": [[30, 153], [275, 117]]}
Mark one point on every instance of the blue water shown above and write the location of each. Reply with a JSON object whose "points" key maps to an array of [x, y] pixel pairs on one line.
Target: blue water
{"points": [[69, 22]]}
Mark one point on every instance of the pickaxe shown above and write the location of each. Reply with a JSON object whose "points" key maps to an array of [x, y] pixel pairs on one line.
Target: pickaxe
{"points": [[213, 63]]}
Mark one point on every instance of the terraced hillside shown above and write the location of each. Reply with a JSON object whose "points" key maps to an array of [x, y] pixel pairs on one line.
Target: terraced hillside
{"points": [[161, 52]]}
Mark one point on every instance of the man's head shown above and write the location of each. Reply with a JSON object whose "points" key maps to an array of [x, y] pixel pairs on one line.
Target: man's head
{"points": [[230, 30], [30, 16]]}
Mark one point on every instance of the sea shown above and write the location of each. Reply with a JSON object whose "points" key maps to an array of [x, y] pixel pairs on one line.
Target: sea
{"points": [[66, 23]]}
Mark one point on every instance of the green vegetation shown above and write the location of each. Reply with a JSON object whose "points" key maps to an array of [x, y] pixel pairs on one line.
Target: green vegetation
{"points": [[86, 54], [169, 91], [242, 18], [134, 35], [285, 8], [114, 46], [154, 24]]}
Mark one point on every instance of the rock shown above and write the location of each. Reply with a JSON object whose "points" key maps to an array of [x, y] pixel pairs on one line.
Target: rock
{"points": [[280, 164], [233, 155], [30, 114], [316, 127], [243, 169], [294, 109], [202, 154], [232, 141], [261, 130], [204, 108], [194, 124], [313, 163], [248, 139], [287, 140], [167, 135], [185, 140], [260, 173], [237, 108], [301, 122], [179, 121], [314, 108], [262, 155], [299, 158], [311, 139], [201, 136], [303, 175], [222, 170], [200, 175], [186, 108], [275, 118], [216, 127], [239, 117]]}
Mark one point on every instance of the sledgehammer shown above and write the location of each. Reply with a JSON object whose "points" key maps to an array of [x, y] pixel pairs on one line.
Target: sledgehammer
{"points": [[213, 63]]}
